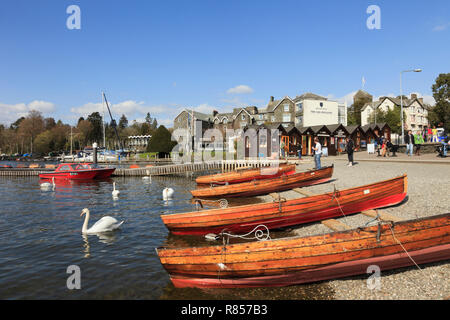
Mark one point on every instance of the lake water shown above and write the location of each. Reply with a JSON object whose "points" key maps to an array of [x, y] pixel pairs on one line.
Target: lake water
{"points": [[40, 237]]}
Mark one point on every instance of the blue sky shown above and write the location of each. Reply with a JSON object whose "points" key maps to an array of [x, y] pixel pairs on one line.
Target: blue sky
{"points": [[162, 56]]}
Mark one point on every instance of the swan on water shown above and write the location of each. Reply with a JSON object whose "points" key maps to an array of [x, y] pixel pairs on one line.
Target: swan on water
{"points": [[115, 192], [167, 193], [103, 225], [48, 185]]}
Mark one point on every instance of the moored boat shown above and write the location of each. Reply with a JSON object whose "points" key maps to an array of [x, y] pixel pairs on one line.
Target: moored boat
{"points": [[75, 171], [300, 260], [249, 174], [291, 212], [260, 187]]}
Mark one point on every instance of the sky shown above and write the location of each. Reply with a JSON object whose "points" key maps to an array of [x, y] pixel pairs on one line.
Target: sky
{"points": [[164, 56]]}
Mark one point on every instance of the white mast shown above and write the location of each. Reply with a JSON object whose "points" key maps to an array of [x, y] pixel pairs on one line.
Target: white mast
{"points": [[103, 108]]}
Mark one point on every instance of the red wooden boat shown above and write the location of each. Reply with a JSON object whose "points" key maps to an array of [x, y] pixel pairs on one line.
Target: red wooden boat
{"points": [[260, 187], [102, 173], [245, 175], [299, 260], [291, 212], [76, 171]]}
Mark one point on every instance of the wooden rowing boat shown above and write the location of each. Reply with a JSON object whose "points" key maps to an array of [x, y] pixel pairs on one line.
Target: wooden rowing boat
{"points": [[291, 212], [266, 186], [248, 174], [299, 260]]}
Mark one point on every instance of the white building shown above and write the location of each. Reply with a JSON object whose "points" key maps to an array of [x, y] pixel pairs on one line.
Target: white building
{"points": [[313, 110], [416, 115]]}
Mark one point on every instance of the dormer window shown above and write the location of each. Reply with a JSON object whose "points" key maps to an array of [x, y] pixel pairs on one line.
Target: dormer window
{"points": [[286, 107]]}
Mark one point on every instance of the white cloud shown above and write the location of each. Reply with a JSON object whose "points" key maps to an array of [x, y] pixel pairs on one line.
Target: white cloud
{"points": [[129, 107], [241, 89], [441, 27], [11, 112]]}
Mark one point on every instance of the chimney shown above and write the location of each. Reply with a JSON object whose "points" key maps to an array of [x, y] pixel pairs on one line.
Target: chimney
{"points": [[421, 100], [413, 96], [271, 98], [215, 112]]}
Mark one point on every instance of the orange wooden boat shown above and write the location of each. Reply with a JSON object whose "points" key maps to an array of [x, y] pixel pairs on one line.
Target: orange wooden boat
{"points": [[292, 212], [259, 187], [245, 175], [299, 260]]}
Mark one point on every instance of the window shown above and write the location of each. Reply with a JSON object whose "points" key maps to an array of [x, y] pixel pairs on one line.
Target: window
{"points": [[286, 107], [225, 120], [243, 116], [260, 117], [272, 118], [286, 117], [300, 120], [299, 106]]}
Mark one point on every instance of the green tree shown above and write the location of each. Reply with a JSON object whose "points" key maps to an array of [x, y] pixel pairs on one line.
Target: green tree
{"points": [[440, 113], [96, 134], [161, 141], [391, 117], [123, 122]]}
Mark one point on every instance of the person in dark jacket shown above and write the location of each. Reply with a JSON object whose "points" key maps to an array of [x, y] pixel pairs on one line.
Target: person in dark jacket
{"points": [[349, 148], [409, 141]]}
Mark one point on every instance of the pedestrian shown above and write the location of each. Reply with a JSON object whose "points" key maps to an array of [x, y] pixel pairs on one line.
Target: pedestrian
{"points": [[418, 141], [350, 147], [409, 141], [430, 134], [299, 149], [434, 133], [282, 145], [317, 152]]}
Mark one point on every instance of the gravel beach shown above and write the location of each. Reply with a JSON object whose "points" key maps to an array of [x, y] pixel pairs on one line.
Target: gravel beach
{"points": [[428, 195]]}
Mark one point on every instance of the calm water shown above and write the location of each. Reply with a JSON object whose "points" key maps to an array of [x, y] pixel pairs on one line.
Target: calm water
{"points": [[40, 236]]}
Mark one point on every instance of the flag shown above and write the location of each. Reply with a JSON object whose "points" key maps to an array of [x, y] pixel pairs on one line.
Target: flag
{"points": [[363, 81]]}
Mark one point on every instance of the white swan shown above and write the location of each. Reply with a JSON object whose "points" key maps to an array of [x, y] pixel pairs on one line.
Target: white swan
{"points": [[103, 225], [167, 193], [115, 192], [48, 185]]}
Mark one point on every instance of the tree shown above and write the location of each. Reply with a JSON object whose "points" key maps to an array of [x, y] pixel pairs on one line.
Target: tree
{"points": [[391, 117], [440, 113], [84, 129], [161, 141], [49, 123], [123, 122], [97, 128]]}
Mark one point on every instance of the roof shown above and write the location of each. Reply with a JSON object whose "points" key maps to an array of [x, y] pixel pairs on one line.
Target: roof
{"points": [[309, 96], [274, 104]]}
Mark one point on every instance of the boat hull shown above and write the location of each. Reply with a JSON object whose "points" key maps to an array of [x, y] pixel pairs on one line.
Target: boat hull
{"points": [[339, 270], [69, 175], [246, 175], [298, 260], [289, 213], [266, 186]]}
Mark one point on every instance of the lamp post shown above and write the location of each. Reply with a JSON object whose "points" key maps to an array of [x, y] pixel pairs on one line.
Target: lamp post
{"points": [[401, 99]]}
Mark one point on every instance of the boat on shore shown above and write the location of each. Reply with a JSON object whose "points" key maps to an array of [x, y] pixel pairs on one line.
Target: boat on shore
{"points": [[266, 186], [248, 174], [285, 213], [76, 171], [298, 260]]}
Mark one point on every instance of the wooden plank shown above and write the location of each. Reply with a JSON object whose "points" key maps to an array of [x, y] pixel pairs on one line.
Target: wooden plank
{"points": [[336, 225], [303, 192], [274, 195], [384, 216]]}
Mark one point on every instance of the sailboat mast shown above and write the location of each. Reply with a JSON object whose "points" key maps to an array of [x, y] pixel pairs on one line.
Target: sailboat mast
{"points": [[103, 108]]}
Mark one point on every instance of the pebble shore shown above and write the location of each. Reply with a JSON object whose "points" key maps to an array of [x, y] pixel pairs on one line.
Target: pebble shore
{"points": [[428, 195]]}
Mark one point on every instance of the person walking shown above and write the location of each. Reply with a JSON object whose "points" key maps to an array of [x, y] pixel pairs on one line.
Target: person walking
{"points": [[317, 152], [409, 141], [350, 147], [299, 149], [418, 141]]}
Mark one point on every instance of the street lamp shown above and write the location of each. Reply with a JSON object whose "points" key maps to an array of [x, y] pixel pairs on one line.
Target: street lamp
{"points": [[401, 99]]}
